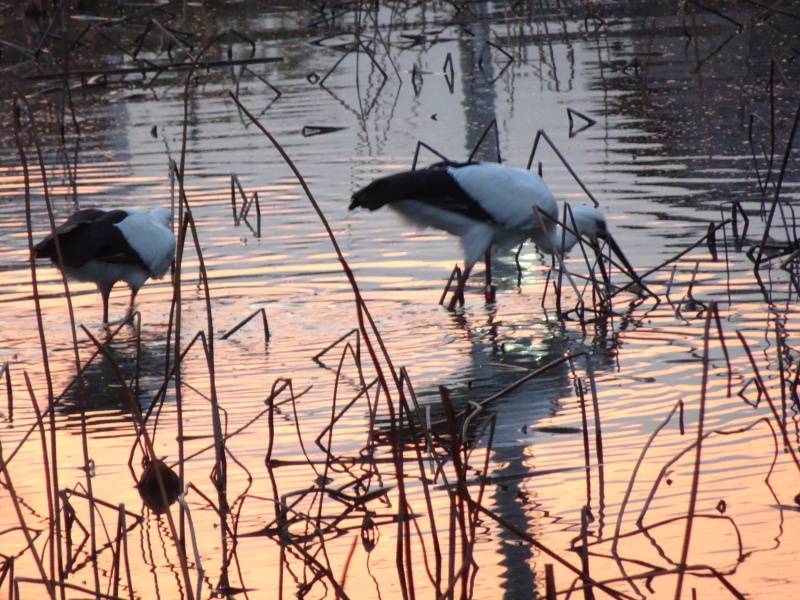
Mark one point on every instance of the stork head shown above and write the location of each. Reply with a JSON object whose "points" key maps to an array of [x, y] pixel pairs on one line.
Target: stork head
{"points": [[589, 222], [162, 215]]}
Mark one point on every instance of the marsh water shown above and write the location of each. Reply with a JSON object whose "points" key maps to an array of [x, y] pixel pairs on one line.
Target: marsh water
{"points": [[691, 110]]}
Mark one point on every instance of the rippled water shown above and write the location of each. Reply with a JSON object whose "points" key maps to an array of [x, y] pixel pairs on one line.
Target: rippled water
{"points": [[673, 96]]}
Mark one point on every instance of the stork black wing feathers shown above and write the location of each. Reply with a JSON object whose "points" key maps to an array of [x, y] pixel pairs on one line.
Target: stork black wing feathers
{"points": [[90, 234], [433, 185]]}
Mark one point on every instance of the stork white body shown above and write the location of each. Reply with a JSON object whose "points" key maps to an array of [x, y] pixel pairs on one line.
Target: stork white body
{"points": [[105, 247], [484, 204]]}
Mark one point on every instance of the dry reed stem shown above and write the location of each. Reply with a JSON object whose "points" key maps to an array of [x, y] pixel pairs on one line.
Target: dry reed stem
{"points": [[56, 555], [535, 373], [404, 569], [39, 423], [455, 274], [328, 429], [572, 228], [492, 125], [335, 419], [430, 149], [540, 216], [219, 475], [629, 490], [436, 576], [685, 251], [6, 371], [778, 187], [63, 586], [270, 401], [549, 582], [332, 345], [523, 535], [142, 426], [9, 485], [542, 134], [260, 311], [763, 389], [81, 395], [588, 592]]}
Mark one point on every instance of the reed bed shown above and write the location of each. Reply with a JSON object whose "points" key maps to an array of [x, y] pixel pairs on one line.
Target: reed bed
{"points": [[416, 483]]}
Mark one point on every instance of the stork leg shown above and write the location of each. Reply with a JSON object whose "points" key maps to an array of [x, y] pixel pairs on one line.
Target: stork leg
{"points": [[105, 293], [488, 290], [134, 291]]}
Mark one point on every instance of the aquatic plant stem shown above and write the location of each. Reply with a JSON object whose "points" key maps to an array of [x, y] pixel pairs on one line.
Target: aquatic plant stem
{"points": [[142, 426], [363, 316], [712, 310], [9, 485]]}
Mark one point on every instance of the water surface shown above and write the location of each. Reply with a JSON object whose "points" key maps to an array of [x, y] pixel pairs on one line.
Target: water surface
{"points": [[693, 110]]}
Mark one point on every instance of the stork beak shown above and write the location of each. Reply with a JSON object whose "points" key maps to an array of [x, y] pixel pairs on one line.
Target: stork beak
{"points": [[612, 243]]}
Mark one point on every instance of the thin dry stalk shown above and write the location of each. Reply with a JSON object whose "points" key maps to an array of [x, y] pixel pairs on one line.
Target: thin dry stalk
{"points": [[56, 553], [541, 134], [120, 552], [587, 456], [48, 483], [238, 185], [277, 389], [540, 216], [685, 251], [455, 275], [328, 429], [524, 535], [430, 149], [491, 126], [138, 419], [629, 491], [778, 188], [6, 371], [456, 515], [330, 346], [604, 303], [364, 318], [418, 446], [586, 518], [549, 582], [763, 389], [598, 437], [690, 511], [219, 475], [9, 485], [260, 311], [535, 373]]}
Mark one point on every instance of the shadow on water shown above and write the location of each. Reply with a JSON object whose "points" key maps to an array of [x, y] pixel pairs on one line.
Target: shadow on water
{"points": [[496, 391], [102, 403]]}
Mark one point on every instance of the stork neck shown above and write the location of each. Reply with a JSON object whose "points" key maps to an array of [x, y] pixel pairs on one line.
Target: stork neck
{"points": [[557, 239]]}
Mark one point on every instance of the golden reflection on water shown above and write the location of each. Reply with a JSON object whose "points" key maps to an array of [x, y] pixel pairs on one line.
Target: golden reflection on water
{"points": [[646, 359]]}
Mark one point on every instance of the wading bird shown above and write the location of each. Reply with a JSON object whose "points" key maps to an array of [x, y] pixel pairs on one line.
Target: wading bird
{"points": [[105, 247], [485, 204]]}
